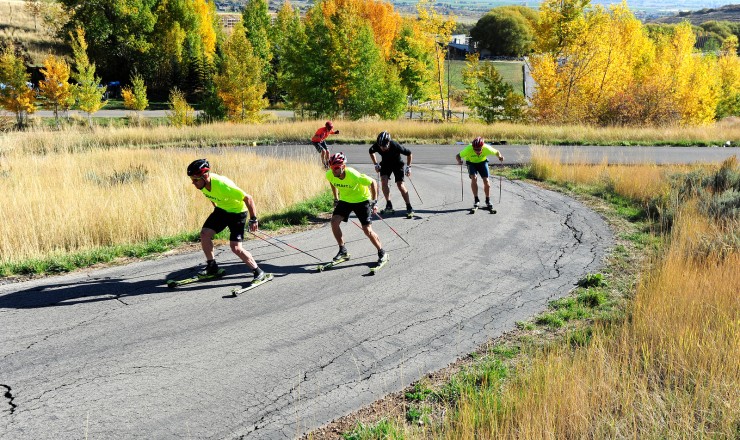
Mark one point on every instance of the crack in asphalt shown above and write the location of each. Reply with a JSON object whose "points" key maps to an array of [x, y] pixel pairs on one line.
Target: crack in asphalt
{"points": [[9, 395]]}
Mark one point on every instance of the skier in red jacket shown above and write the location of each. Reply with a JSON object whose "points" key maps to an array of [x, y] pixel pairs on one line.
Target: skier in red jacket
{"points": [[319, 141]]}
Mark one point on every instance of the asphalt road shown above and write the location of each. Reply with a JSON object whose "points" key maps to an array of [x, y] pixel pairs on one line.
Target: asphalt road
{"points": [[112, 353]]}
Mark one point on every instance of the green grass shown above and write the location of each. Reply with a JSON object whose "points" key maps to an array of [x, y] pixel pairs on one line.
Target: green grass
{"points": [[383, 429], [299, 214], [511, 71]]}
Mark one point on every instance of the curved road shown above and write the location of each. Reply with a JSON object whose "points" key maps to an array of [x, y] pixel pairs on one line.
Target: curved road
{"points": [[112, 353]]}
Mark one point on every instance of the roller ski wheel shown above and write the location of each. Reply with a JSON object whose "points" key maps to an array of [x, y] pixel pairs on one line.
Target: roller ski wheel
{"points": [[329, 265]]}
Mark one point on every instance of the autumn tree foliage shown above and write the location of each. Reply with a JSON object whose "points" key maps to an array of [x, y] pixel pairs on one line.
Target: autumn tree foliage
{"points": [[88, 91], [435, 31], [415, 62], [16, 95], [134, 96], [169, 42], [384, 21], [728, 67], [599, 66], [55, 90], [335, 67], [239, 81]]}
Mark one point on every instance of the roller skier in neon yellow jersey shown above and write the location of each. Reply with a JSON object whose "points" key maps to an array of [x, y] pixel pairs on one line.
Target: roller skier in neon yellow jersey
{"points": [[231, 205], [476, 156], [353, 192]]}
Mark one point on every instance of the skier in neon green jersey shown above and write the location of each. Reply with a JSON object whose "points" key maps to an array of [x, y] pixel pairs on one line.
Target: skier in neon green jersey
{"points": [[353, 192], [230, 210], [476, 156]]}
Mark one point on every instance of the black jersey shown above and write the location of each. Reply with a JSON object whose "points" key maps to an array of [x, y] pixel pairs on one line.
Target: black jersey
{"points": [[391, 156]]}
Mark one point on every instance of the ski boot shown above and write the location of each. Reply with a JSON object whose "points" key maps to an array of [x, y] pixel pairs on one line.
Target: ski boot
{"points": [[388, 209], [409, 211], [259, 275], [341, 255], [210, 270]]}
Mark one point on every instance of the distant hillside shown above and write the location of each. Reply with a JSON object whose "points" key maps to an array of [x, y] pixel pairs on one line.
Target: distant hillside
{"points": [[724, 13]]}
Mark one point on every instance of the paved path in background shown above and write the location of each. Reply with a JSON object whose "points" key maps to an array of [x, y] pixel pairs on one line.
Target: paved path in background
{"points": [[521, 154], [112, 353]]}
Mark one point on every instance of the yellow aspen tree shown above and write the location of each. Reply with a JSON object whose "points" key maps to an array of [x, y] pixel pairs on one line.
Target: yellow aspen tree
{"points": [[88, 91], [383, 19], [206, 12], [134, 96], [239, 83], [436, 30], [692, 81], [728, 66], [16, 95], [180, 113], [55, 89]]}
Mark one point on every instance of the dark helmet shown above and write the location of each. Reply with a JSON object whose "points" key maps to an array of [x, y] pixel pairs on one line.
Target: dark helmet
{"points": [[198, 167], [337, 159], [478, 142], [329, 125], [383, 138]]}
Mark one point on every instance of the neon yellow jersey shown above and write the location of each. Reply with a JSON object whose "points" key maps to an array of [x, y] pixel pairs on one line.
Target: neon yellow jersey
{"points": [[225, 194], [354, 188], [469, 155]]}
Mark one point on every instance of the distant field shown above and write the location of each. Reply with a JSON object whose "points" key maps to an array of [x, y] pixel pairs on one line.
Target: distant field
{"points": [[510, 70]]}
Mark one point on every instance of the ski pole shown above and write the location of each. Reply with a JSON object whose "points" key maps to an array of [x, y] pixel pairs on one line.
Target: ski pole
{"points": [[391, 227], [499, 188], [462, 187], [290, 246], [266, 241], [417, 192]]}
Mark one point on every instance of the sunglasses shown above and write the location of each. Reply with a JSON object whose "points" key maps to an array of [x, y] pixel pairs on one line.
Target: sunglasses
{"points": [[337, 167]]}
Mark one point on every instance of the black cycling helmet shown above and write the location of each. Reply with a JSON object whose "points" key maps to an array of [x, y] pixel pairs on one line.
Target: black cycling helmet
{"points": [[384, 138], [198, 167]]}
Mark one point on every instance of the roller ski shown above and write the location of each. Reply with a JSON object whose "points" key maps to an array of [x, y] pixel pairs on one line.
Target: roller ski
{"points": [[475, 207], [410, 212], [382, 260], [340, 258], [255, 283], [490, 209], [203, 276]]}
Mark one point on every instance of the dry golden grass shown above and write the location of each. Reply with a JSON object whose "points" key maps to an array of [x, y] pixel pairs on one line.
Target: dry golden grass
{"points": [[670, 371], [17, 25], [638, 182], [39, 140], [75, 201]]}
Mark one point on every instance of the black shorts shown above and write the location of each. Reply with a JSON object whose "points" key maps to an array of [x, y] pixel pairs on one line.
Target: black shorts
{"points": [[396, 169], [362, 210], [320, 146], [480, 168], [220, 220]]}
